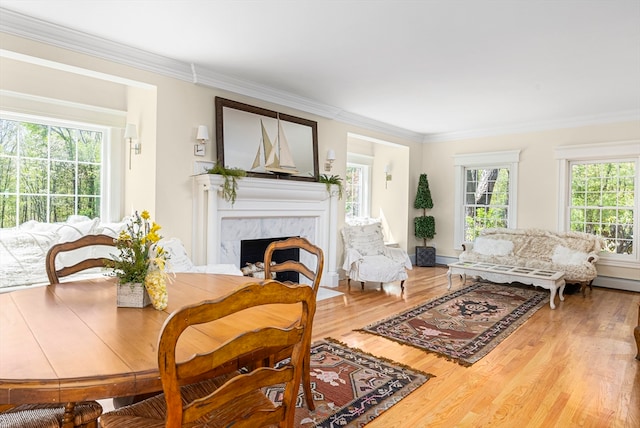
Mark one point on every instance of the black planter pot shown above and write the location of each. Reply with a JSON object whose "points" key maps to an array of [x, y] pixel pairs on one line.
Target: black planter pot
{"points": [[425, 256]]}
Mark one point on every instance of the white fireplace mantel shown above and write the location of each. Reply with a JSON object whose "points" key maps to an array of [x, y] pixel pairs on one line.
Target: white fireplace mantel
{"points": [[264, 208]]}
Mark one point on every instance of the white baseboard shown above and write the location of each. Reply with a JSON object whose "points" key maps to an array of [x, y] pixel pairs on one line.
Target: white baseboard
{"points": [[617, 283]]}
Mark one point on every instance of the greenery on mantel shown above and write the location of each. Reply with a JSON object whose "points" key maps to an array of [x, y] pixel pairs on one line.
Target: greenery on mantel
{"points": [[231, 176], [332, 179]]}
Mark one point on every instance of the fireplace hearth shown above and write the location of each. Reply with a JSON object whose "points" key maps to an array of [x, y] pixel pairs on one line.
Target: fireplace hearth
{"points": [[252, 252]]}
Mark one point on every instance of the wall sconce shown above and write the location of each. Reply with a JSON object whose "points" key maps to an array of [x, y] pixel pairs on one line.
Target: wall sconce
{"points": [[202, 136], [387, 175], [130, 134], [331, 157]]}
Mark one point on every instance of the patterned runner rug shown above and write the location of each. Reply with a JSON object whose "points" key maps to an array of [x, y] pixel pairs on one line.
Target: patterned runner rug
{"points": [[466, 324], [351, 387]]}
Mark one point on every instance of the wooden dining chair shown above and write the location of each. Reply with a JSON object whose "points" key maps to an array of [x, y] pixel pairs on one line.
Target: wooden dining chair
{"points": [[83, 414], [313, 275], [236, 398], [85, 242]]}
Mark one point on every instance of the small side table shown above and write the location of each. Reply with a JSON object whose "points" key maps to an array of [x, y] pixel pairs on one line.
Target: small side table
{"points": [[636, 333]]}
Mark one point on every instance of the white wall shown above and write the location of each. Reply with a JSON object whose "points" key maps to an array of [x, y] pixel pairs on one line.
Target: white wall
{"points": [[537, 181], [391, 200], [169, 110]]}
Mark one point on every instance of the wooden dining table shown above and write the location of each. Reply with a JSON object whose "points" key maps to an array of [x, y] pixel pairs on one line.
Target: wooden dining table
{"points": [[69, 342]]}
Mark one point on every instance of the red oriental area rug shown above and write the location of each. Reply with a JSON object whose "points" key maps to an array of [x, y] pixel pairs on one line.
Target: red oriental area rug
{"points": [[466, 324], [350, 387]]}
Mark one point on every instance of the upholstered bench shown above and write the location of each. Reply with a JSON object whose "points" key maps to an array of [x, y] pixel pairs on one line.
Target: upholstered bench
{"points": [[573, 253]]}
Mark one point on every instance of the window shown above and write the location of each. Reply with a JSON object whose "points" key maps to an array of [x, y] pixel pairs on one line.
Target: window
{"points": [[49, 171], [602, 196], [485, 193], [357, 190], [486, 200], [600, 186]]}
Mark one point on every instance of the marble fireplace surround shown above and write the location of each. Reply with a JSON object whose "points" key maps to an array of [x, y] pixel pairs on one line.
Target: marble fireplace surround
{"points": [[264, 208]]}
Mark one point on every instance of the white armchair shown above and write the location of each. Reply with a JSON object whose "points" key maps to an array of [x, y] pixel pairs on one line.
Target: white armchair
{"points": [[366, 258]]}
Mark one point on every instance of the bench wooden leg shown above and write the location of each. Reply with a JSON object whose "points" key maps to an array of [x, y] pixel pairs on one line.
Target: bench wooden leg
{"points": [[636, 334], [583, 287]]}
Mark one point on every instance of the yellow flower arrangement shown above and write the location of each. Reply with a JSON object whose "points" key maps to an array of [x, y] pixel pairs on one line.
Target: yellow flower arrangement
{"points": [[141, 259]]}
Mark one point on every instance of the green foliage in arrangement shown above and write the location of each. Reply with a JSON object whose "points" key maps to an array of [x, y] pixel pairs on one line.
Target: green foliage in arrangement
{"points": [[425, 226], [231, 176], [139, 250], [332, 179], [423, 196]]}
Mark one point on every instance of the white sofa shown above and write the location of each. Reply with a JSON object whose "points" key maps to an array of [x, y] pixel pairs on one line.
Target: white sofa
{"points": [[23, 250], [573, 253]]}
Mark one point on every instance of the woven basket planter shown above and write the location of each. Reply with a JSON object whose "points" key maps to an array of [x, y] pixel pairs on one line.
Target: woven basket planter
{"points": [[132, 295]]}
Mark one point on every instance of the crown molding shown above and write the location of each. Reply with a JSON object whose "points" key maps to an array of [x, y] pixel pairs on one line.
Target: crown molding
{"points": [[56, 35], [63, 37], [573, 122], [205, 77], [374, 125]]}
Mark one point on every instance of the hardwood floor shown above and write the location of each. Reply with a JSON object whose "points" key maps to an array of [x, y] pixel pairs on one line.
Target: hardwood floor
{"points": [[568, 367]]}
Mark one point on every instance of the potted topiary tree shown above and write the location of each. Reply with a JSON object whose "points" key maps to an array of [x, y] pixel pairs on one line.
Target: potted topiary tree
{"points": [[425, 226]]}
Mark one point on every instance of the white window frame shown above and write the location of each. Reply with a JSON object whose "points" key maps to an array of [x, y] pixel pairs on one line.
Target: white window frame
{"points": [[611, 151], [488, 160], [110, 202], [366, 163]]}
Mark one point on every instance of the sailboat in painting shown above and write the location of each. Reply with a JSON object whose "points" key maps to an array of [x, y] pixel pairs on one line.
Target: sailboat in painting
{"points": [[274, 157]]}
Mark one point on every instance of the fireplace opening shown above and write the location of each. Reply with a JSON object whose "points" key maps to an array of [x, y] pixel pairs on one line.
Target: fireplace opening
{"points": [[252, 252]]}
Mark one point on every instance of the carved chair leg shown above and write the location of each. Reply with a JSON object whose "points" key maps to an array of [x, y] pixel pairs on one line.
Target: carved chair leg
{"points": [[348, 284], [306, 380], [402, 285]]}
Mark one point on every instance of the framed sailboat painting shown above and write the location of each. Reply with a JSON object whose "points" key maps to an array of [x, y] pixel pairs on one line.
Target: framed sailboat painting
{"points": [[266, 143]]}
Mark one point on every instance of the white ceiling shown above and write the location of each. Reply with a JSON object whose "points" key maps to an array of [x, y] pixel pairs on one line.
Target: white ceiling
{"points": [[432, 67]]}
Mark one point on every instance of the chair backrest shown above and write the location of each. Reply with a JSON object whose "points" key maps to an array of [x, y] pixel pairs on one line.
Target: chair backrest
{"points": [[249, 346], [367, 239], [313, 275], [84, 263]]}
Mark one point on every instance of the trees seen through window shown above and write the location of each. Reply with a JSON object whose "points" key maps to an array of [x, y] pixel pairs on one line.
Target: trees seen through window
{"points": [[603, 201], [486, 200], [48, 172]]}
